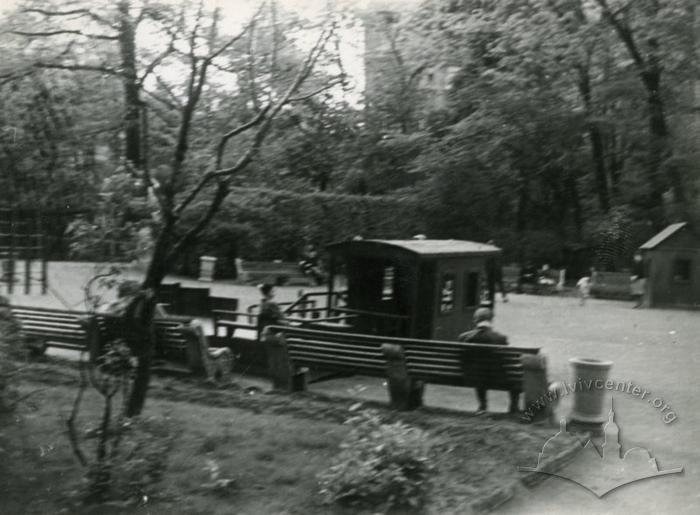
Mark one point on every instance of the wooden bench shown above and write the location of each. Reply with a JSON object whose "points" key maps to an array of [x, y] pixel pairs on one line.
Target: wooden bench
{"points": [[274, 272], [611, 285], [407, 363], [176, 343]]}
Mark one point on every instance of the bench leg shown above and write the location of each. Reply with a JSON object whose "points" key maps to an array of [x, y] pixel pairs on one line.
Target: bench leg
{"points": [[300, 380], [37, 348], [404, 393], [537, 405]]}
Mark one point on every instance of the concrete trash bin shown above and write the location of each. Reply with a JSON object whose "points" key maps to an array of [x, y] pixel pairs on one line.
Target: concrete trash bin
{"points": [[589, 378], [207, 265]]}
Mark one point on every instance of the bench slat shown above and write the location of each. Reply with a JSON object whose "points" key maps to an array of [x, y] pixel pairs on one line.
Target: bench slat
{"points": [[297, 342], [333, 364]]}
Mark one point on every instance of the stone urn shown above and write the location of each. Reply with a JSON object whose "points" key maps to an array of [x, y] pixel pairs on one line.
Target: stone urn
{"points": [[589, 377], [207, 266]]}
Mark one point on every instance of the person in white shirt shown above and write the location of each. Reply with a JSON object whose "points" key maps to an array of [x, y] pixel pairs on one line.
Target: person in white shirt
{"points": [[584, 289]]}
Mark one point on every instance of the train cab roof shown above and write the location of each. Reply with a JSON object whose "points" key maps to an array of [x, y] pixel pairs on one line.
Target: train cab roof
{"points": [[416, 248]]}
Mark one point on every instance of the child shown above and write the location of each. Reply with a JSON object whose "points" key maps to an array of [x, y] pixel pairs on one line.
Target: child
{"points": [[584, 288]]}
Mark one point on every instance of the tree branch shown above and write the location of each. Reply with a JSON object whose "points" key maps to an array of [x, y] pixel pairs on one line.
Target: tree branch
{"points": [[307, 96], [204, 181], [195, 86], [250, 68], [235, 38], [259, 136], [624, 32], [159, 59], [219, 196], [74, 12], [72, 432], [260, 119], [173, 97], [61, 32], [79, 67], [238, 130], [162, 100]]}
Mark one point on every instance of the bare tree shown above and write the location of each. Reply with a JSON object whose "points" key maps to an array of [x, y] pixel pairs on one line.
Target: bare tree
{"points": [[196, 40]]}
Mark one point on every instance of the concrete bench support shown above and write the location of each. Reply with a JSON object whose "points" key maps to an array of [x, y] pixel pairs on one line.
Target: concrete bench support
{"points": [[535, 386], [404, 393], [214, 364], [280, 368]]}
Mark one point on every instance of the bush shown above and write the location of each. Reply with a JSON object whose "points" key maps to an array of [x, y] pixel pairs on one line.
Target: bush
{"points": [[132, 474], [10, 352], [379, 465], [143, 459]]}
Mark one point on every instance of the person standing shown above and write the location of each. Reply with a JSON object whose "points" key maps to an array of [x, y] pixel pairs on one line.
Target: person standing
{"points": [[584, 289], [270, 313], [485, 334], [638, 280]]}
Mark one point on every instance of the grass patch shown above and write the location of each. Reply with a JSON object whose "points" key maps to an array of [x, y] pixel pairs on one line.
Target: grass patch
{"points": [[261, 454]]}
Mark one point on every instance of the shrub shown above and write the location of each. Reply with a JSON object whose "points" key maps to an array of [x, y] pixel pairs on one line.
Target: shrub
{"points": [[142, 460], [10, 353], [379, 464]]}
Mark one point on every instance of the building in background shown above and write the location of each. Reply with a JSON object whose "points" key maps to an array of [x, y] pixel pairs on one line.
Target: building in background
{"points": [[400, 93]]}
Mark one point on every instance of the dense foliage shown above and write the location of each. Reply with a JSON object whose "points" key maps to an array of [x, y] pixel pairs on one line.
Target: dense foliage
{"points": [[264, 224], [380, 465], [565, 129]]}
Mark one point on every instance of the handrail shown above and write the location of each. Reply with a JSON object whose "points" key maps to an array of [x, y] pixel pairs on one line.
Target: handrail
{"points": [[371, 313], [333, 319], [306, 299]]}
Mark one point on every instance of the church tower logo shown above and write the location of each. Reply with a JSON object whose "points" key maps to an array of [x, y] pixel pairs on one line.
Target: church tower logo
{"points": [[601, 467]]}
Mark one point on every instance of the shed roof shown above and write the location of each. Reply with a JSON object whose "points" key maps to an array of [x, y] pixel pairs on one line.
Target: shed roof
{"points": [[662, 235], [422, 248]]}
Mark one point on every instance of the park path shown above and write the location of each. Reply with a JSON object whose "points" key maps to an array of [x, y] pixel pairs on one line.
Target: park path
{"points": [[655, 349]]}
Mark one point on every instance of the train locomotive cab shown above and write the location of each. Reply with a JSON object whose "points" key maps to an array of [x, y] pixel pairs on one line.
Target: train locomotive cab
{"points": [[425, 289]]}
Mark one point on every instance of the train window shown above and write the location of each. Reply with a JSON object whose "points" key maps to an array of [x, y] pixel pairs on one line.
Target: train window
{"points": [[471, 289], [388, 283], [447, 293], [681, 270]]}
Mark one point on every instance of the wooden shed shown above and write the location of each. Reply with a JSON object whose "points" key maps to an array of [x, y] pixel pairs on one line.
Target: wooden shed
{"points": [[424, 289], [672, 264]]}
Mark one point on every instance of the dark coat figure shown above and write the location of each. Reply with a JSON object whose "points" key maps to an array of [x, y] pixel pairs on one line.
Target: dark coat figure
{"points": [[484, 334], [270, 313]]}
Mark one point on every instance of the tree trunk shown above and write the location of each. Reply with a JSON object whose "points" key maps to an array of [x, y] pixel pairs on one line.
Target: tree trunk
{"points": [[523, 206], [597, 147], [615, 163], [132, 98], [141, 341], [139, 387], [576, 204], [658, 134]]}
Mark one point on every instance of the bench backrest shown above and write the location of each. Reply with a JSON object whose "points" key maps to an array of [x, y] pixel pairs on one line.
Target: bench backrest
{"points": [[467, 364], [58, 328], [65, 329], [438, 362]]}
